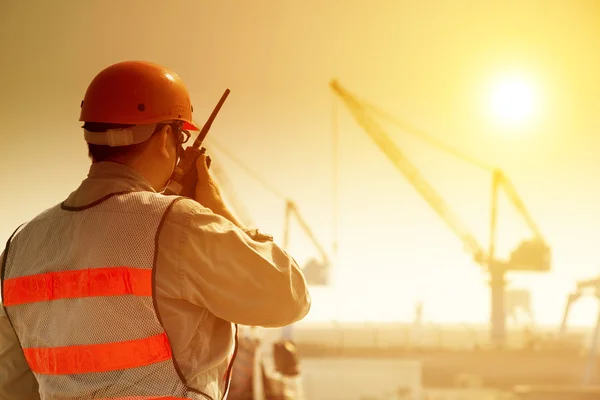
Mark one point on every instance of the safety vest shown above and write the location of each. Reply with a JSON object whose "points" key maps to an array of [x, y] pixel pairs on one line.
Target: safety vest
{"points": [[78, 288]]}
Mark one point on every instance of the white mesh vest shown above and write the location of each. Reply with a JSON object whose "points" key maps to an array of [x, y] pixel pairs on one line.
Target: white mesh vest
{"points": [[78, 288]]}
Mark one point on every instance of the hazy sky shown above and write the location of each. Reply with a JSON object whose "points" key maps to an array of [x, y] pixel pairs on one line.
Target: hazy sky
{"points": [[429, 62]]}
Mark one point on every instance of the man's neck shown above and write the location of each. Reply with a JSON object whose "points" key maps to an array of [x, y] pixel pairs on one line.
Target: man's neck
{"points": [[143, 169]]}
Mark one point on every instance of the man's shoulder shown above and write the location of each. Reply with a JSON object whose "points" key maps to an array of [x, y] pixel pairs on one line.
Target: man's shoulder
{"points": [[184, 208], [48, 213], [178, 204], [179, 210]]}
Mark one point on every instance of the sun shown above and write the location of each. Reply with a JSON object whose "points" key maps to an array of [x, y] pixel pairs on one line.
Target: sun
{"points": [[513, 101]]}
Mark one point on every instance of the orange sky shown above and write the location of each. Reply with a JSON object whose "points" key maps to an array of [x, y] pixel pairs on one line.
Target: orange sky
{"points": [[429, 63]]}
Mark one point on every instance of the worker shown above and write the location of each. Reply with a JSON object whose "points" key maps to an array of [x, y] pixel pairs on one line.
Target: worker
{"points": [[121, 292]]}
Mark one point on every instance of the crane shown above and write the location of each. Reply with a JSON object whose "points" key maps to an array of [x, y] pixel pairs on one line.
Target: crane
{"points": [[582, 288], [530, 255], [315, 271]]}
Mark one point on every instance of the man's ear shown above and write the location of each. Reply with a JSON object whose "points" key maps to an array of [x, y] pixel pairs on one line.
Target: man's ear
{"points": [[162, 140]]}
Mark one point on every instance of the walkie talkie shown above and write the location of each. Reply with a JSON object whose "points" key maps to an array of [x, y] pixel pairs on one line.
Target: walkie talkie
{"points": [[184, 178]]}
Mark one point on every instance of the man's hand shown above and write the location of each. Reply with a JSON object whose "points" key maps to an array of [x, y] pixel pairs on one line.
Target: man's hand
{"points": [[208, 193]]}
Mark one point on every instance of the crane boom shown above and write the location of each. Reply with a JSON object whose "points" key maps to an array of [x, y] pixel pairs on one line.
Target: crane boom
{"points": [[292, 209], [415, 177], [416, 132], [511, 192], [498, 174]]}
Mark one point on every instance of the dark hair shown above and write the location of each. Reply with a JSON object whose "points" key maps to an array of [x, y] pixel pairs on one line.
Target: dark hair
{"points": [[98, 152]]}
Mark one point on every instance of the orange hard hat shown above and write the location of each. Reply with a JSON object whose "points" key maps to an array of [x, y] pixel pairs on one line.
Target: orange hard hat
{"points": [[137, 93]]}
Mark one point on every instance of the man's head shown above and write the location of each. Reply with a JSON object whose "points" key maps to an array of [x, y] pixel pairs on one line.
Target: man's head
{"points": [[138, 114]]}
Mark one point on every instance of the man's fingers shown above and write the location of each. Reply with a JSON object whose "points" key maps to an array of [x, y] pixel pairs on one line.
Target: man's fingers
{"points": [[201, 166]]}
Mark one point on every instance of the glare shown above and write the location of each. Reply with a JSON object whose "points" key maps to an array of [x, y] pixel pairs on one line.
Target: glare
{"points": [[513, 100]]}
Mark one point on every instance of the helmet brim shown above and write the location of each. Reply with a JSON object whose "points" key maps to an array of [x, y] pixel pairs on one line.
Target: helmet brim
{"points": [[188, 126]]}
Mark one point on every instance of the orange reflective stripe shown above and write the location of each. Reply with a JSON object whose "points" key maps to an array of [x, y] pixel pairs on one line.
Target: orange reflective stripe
{"points": [[147, 398], [98, 357], [83, 283]]}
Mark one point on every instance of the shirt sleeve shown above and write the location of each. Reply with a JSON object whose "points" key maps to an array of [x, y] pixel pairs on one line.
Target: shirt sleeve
{"points": [[16, 379], [237, 278]]}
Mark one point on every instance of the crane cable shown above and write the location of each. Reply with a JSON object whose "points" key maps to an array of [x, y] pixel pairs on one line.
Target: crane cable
{"points": [[250, 172], [414, 131], [244, 167]]}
